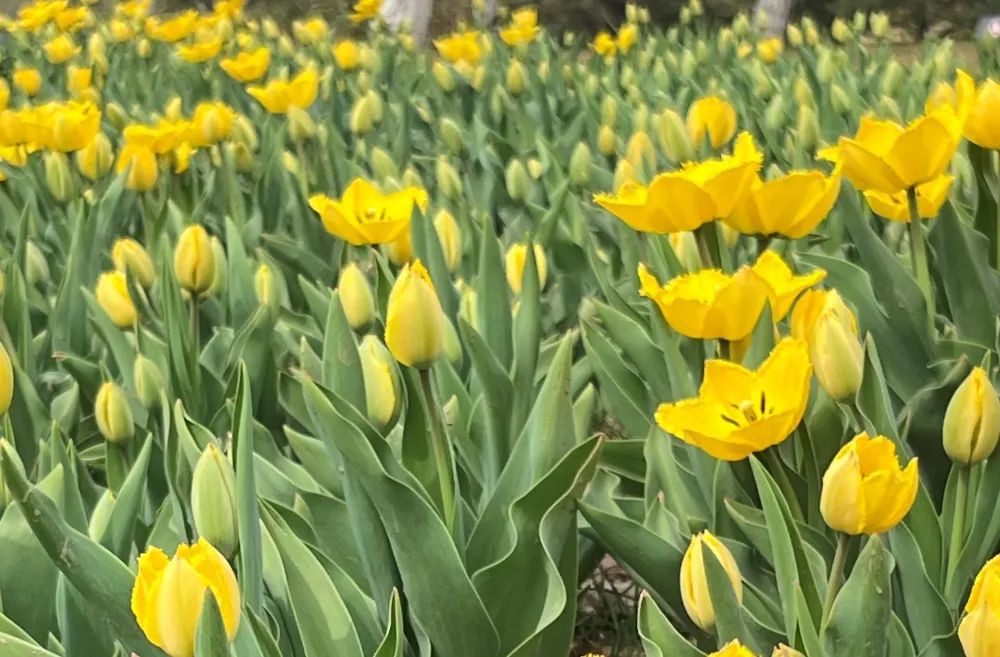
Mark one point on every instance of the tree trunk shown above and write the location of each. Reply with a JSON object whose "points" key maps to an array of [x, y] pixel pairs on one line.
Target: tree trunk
{"points": [[776, 13], [490, 13], [414, 13]]}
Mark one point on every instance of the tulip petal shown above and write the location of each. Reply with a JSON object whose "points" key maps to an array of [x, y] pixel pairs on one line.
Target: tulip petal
{"points": [[676, 203], [923, 152], [866, 170], [842, 500]]}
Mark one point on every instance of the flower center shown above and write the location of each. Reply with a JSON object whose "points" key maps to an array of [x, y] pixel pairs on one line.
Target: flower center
{"points": [[746, 412]]}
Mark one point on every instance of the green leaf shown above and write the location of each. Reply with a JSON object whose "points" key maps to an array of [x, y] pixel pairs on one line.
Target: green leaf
{"points": [[636, 343], [623, 389], [861, 612], [210, 638], [729, 617], [493, 299], [247, 510], [120, 535], [394, 641], [341, 361], [927, 613], [873, 398], [527, 333], [12, 646], [659, 638]]}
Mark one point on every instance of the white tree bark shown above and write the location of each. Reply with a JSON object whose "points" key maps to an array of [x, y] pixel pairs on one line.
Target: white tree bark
{"points": [[414, 13], [490, 13], [776, 12]]}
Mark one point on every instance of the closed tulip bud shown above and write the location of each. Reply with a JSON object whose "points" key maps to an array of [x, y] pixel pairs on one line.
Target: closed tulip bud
{"points": [[535, 168], [517, 180], [609, 111], [782, 650], [673, 137], [451, 135], [59, 176], [592, 85], [356, 297], [830, 327], [96, 158], [684, 15], [382, 386], [981, 622], [688, 64], [972, 421], [221, 278], [113, 414], [116, 115], [807, 128], [812, 35], [839, 100], [244, 133], [144, 48], [685, 247], [6, 381], [825, 67], [130, 257], [447, 179], [148, 381], [859, 22], [382, 164], [624, 173], [194, 261], [100, 518], [270, 29], [515, 261], [266, 287], [362, 116], [840, 30], [467, 304], [515, 77], [888, 107], [498, 103], [113, 296], [891, 78], [452, 345], [726, 39], [774, 114], [804, 92], [640, 153], [606, 141], [661, 76], [411, 178], [579, 165], [450, 237], [301, 126], [239, 155], [442, 75], [741, 25], [794, 36], [694, 579], [36, 266], [213, 500], [377, 105], [414, 326]]}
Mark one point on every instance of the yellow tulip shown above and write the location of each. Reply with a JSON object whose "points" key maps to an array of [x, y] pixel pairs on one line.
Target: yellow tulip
{"points": [[784, 287], [684, 200], [709, 304], [983, 124], [738, 411], [6, 381], [864, 490], [884, 156], [781, 650], [113, 296], [628, 35], [605, 45], [517, 256], [194, 260], [356, 297], [200, 51], [28, 80], [450, 237], [247, 66], [382, 387], [173, 29], [313, 30], [365, 10], [831, 329], [168, 595], [400, 250], [279, 95], [131, 257], [460, 47], [733, 649], [346, 54], [714, 116], [896, 207], [792, 205], [694, 580], [972, 421], [979, 630], [61, 49], [211, 123], [364, 215], [140, 162], [112, 414], [770, 49], [78, 79], [121, 31], [523, 27], [414, 322]]}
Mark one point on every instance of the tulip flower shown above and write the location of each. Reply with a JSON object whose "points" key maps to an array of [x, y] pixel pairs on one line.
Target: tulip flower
{"points": [[982, 127], [213, 500], [364, 215], [523, 27], [733, 649], [831, 329], [6, 381], [709, 304], [173, 29], [979, 631], [713, 116], [28, 80], [628, 35], [450, 238], [770, 49], [279, 95], [414, 322], [356, 297], [515, 260], [61, 49], [131, 257], [365, 10], [784, 287], [346, 54], [738, 411], [140, 162], [694, 580], [311, 31], [382, 386], [460, 48], [168, 595], [113, 296], [112, 414], [895, 207], [972, 420], [865, 491], [781, 650], [605, 45], [791, 206], [194, 261], [247, 66], [200, 51], [96, 158]]}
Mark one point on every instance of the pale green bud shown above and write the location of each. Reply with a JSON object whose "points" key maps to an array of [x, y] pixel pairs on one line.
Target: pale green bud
{"points": [[579, 165], [807, 128], [59, 176], [517, 180], [450, 134], [609, 111], [891, 78], [382, 383], [839, 99], [447, 179], [213, 500], [383, 165], [673, 137], [148, 381], [101, 517], [113, 414], [36, 265], [972, 420]]}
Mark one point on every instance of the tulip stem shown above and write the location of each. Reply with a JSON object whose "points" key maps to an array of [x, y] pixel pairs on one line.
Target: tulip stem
{"points": [[708, 245], [958, 524], [440, 442], [836, 577], [784, 483], [918, 249]]}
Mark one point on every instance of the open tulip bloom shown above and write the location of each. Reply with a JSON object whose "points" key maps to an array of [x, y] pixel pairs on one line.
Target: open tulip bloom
{"points": [[364, 215]]}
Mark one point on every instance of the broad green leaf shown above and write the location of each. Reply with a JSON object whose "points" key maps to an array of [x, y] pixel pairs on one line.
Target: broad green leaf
{"points": [[861, 611]]}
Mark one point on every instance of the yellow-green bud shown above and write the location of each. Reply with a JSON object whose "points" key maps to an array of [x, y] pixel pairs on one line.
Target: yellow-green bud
{"points": [[943, 59], [825, 66], [741, 25], [891, 78], [6, 381], [972, 421], [450, 237], [835, 351], [592, 85], [804, 92], [356, 297], [685, 15], [685, 247], [414, 320], [535, 168], [609, 111], [194, 261], [661, 76], [447, 179], [641, 154], [812, 35], [362, 116], [839, 100], [673, 137], [606, 141], [794, 35], [498, 103], [59, 176], [889, 108], [701, 51], [688, 63], [369, 58], [860, 21], [411, 178], [443, 77], [879, 22], [213, 500], [144, 48], [36, 265], [301, 126], [382, 164], [101, 516], [96, 158], [840, 30], [382, 384], [781, 650], [113, 414], [515, 77], [450, 134], [266, 287], [377, 105], [467, 304], [807, 128], [517, 180], [579, 165], [220, 280], [148, 381], [624, 173]]}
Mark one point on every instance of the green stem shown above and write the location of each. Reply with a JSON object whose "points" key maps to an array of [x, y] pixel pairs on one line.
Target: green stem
{"points": [[725, 349], [836, 577], [442, 457], [958, 525], [707, 237], [777, 469], [919, 251], [852, 417]]}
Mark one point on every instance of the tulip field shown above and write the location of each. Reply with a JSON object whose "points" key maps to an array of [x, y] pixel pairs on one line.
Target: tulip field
{"points": [[317, 340]]}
